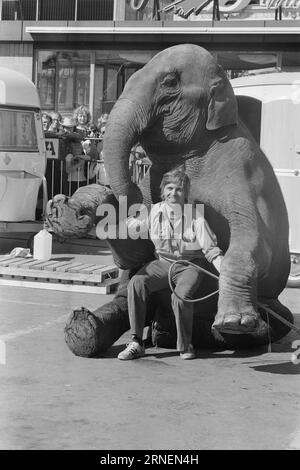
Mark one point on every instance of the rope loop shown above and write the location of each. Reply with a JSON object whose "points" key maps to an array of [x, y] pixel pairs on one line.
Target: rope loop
{"points": [[189, 263]]}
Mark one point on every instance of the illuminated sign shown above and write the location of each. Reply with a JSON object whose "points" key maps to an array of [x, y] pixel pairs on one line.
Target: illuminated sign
{"points": [[280, 3], [186, 7]]}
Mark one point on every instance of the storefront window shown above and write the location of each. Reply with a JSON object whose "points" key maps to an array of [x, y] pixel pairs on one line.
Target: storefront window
{"points": [[290, 60], [17, 130], [112, 70], [64, 77], [239, 63], [46, 79], [63, 80], [98, 101]]}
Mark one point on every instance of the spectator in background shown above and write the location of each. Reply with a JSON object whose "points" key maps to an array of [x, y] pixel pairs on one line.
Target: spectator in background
{"points": [[138, 163], [76, 158], [46, 121], [93, 132], [82, 118], [90, 151], [101, 123], [56, 123]]}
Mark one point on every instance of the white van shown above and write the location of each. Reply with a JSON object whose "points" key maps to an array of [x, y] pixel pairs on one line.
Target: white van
{"points": [[22, 147], [269, 104]]}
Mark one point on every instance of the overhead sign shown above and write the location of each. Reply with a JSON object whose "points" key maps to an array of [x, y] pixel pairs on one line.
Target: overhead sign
{"points": [[280, 3], [185, 8]]}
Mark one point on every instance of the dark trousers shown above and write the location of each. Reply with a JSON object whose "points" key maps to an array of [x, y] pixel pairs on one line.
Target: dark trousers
{"points": [[154, 277]]}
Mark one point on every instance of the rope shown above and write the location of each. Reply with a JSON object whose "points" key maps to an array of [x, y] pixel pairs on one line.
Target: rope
{"points": [[189, 263]]}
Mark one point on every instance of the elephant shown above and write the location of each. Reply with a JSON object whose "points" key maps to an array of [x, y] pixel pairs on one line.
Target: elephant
{"points": [[182, 109]]}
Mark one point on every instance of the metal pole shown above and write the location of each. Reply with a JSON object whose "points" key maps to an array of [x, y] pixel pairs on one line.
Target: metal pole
{"points": [[119, 10], [156, 10], [278, 13], [216, 11], [61, 177], [279, 60], [92, 85], [1, 2], [76, 10], [52, 178]]}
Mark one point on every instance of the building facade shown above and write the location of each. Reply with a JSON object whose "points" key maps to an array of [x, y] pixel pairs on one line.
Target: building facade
{"points": [[82, 52]]}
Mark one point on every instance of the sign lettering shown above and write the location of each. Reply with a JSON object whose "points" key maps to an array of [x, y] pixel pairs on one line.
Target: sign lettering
{"points": [[52, 148], [238, 5], [191, 6], [280, 3], [138, 4], [187, 7]]}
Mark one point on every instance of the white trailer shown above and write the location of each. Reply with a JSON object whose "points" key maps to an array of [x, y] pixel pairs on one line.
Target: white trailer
{"points": [[22, 153], [269, 104]]}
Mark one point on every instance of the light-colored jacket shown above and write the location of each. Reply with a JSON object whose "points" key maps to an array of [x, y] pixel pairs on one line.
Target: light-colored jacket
{"points": [[187, 236]]}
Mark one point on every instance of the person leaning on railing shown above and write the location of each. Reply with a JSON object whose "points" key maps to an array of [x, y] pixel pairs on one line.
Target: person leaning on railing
{"points": [[56, 123], [76, 158], [138, 163], [82, 118]]}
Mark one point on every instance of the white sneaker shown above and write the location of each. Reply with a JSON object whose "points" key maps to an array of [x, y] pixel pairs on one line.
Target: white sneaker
{"points": [[133, 350], [188, 354]]}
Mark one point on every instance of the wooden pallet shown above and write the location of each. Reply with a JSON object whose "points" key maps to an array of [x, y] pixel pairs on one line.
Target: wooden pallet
{"points": [[59, 275]]}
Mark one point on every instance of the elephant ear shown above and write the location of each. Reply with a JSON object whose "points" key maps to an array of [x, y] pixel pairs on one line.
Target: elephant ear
{"points": [[222, 108]]}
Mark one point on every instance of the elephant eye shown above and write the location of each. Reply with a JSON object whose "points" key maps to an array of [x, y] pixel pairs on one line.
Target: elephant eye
{"points": [[170, 80]]}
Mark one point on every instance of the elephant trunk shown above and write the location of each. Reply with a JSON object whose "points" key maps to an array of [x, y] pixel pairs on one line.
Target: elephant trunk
{"points": [[126, 122]]}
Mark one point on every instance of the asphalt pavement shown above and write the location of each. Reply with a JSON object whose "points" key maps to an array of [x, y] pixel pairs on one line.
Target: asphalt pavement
{"points": [[51, 399]]}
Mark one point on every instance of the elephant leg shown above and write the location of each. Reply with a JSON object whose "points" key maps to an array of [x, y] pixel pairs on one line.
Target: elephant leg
{"points": [[90, 334], [237, 310]]}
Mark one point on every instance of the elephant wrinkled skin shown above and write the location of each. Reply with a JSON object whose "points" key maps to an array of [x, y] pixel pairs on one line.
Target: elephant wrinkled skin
{"points": [[182, 109], [180, 106]]}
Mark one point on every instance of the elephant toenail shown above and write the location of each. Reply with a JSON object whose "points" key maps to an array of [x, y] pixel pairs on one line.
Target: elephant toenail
{"points": [[249, 321], [233, 319]]}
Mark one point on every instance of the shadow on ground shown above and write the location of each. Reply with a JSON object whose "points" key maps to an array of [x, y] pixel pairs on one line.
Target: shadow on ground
{"points": [[282, 368]]}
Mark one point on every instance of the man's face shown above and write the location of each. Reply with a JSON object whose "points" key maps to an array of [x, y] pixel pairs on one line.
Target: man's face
{"points": [[173, 194]]}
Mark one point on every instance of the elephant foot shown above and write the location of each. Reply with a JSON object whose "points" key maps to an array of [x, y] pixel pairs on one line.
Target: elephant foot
{"points": [[81, 333], [237, 323]]}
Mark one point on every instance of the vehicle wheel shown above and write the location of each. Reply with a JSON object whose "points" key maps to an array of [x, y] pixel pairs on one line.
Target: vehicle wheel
{"points": [[294, 277]]}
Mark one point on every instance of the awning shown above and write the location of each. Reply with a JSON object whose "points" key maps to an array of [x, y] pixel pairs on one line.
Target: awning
{"points": [[166, 30], [163, 30]]}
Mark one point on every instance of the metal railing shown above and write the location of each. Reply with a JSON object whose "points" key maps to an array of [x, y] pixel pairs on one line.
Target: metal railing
{"points": [[48, 10], [58, 183]]}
